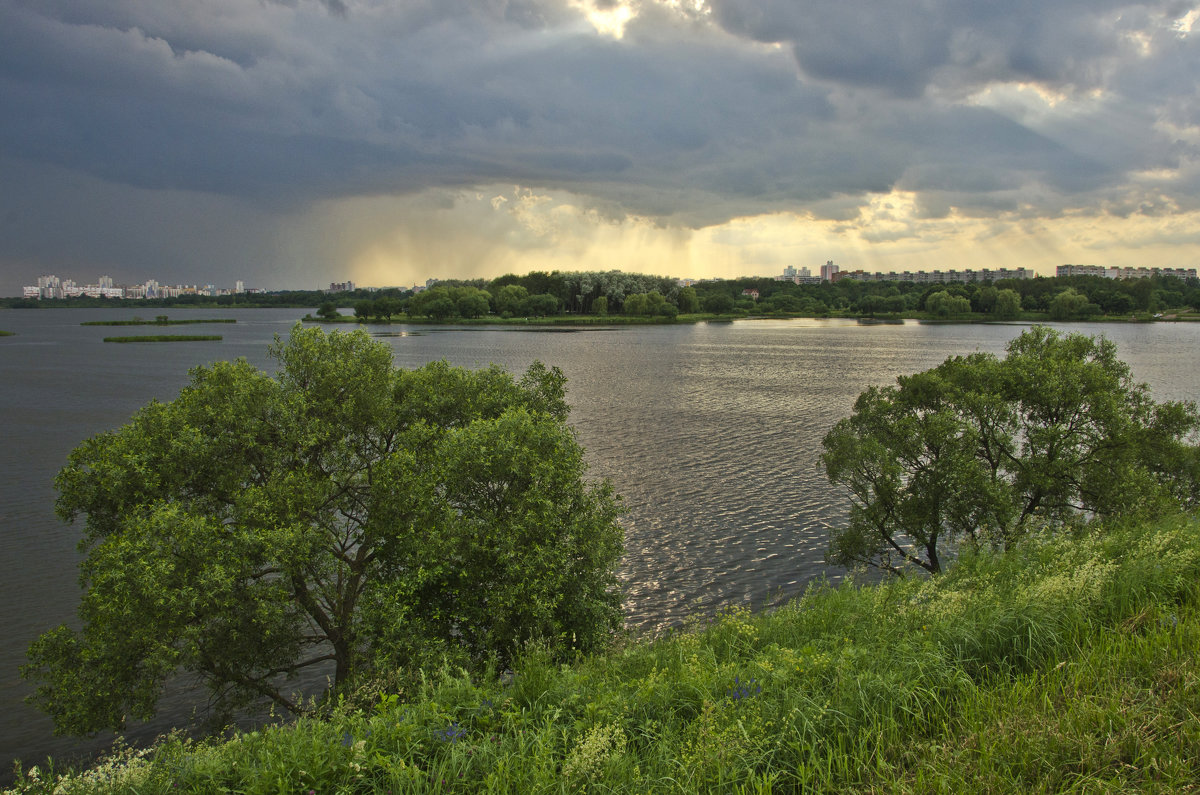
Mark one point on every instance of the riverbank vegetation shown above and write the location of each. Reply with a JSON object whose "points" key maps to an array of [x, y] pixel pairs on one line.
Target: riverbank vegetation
{"points": [[168, 338], [1066, 663], [617, 298]]}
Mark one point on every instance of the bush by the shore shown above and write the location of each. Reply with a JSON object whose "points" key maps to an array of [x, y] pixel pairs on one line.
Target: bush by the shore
{"points": [[1069, 663]]}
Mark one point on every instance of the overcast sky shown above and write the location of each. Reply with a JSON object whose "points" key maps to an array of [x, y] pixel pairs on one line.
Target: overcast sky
{"points": [[291, 143]]}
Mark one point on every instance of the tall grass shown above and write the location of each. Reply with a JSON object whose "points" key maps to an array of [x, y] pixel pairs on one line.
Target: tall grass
{"points": [[1066, 664]]}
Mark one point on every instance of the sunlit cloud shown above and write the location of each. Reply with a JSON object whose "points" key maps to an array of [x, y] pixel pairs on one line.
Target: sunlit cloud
{"points": [[608, 17]]}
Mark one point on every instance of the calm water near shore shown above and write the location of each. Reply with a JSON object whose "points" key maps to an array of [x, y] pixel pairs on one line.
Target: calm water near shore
{"points": [[711, 432]]}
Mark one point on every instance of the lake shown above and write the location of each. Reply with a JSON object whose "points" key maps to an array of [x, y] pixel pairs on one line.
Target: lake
{"points": [[710, 432]]}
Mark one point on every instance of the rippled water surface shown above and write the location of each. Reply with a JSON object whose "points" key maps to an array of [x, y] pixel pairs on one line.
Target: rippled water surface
{"points": [[710, 432]]}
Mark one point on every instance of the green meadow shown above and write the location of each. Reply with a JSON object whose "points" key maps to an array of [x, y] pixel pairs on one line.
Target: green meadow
{"points": [[1066, 664]]}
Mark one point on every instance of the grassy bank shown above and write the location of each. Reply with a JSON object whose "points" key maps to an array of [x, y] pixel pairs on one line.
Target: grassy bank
{"points": [[1069, 664], [167, 338]]}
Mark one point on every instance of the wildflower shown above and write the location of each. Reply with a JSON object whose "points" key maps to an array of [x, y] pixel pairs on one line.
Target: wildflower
{"points": [[450, 734], [739, 690]]}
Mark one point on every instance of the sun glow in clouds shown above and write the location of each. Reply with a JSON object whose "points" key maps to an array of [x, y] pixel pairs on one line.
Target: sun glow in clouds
{"points": [[608, 21], [1184, 24]]}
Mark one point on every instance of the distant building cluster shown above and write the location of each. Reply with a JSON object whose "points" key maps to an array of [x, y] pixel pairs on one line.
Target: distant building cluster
{"points": [[52, 287], [935, 277], [801, 276], [832, 273], [1123, 273]]}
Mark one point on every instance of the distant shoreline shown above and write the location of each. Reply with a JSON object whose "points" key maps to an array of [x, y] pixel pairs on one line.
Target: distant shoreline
{"points": [[581, 321], [587, 321]]}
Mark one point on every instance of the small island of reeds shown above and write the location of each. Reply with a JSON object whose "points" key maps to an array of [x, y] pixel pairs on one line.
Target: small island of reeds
{"points": [[168, 338], [159, 320]]}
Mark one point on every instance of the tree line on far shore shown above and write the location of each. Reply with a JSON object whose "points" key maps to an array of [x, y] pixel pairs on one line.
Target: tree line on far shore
{"points": [[541, 294], [604, 293]]}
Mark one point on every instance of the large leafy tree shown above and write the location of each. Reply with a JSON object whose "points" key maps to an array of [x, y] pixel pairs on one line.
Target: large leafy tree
{"points": [[980, 449], [342, 513]]}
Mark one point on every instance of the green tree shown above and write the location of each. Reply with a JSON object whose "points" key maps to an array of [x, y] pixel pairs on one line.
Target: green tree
{"points": [[439, 307], [471, 301], [985, 299], [718, 303], [981, 449], [600, 306], [870, 304], [637, 304], [689, 303], [541, 305], [510, 299], [327, 310], [342, 513], [1008, 304], [947, 304], [1068, 304], [363, 310], [436, 302], [385, 307]]}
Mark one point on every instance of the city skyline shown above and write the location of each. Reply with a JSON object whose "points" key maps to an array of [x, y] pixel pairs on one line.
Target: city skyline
{"points": [[52, 287], [307, 142]]}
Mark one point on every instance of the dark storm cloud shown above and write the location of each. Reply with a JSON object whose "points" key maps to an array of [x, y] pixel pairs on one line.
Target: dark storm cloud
{"points": [[906, 46], [384, 101], [696, 115]]}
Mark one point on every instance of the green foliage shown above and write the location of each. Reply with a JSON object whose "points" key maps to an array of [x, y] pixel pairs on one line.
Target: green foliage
{"points": [[342, 514], [327, 310], [651, 303], [1069, 305], [540, 305], [1065, 664], [945, 304], [1007, 305], [689, 302], [718, 303], [979, 450], [472, 302], [510, 299]]}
